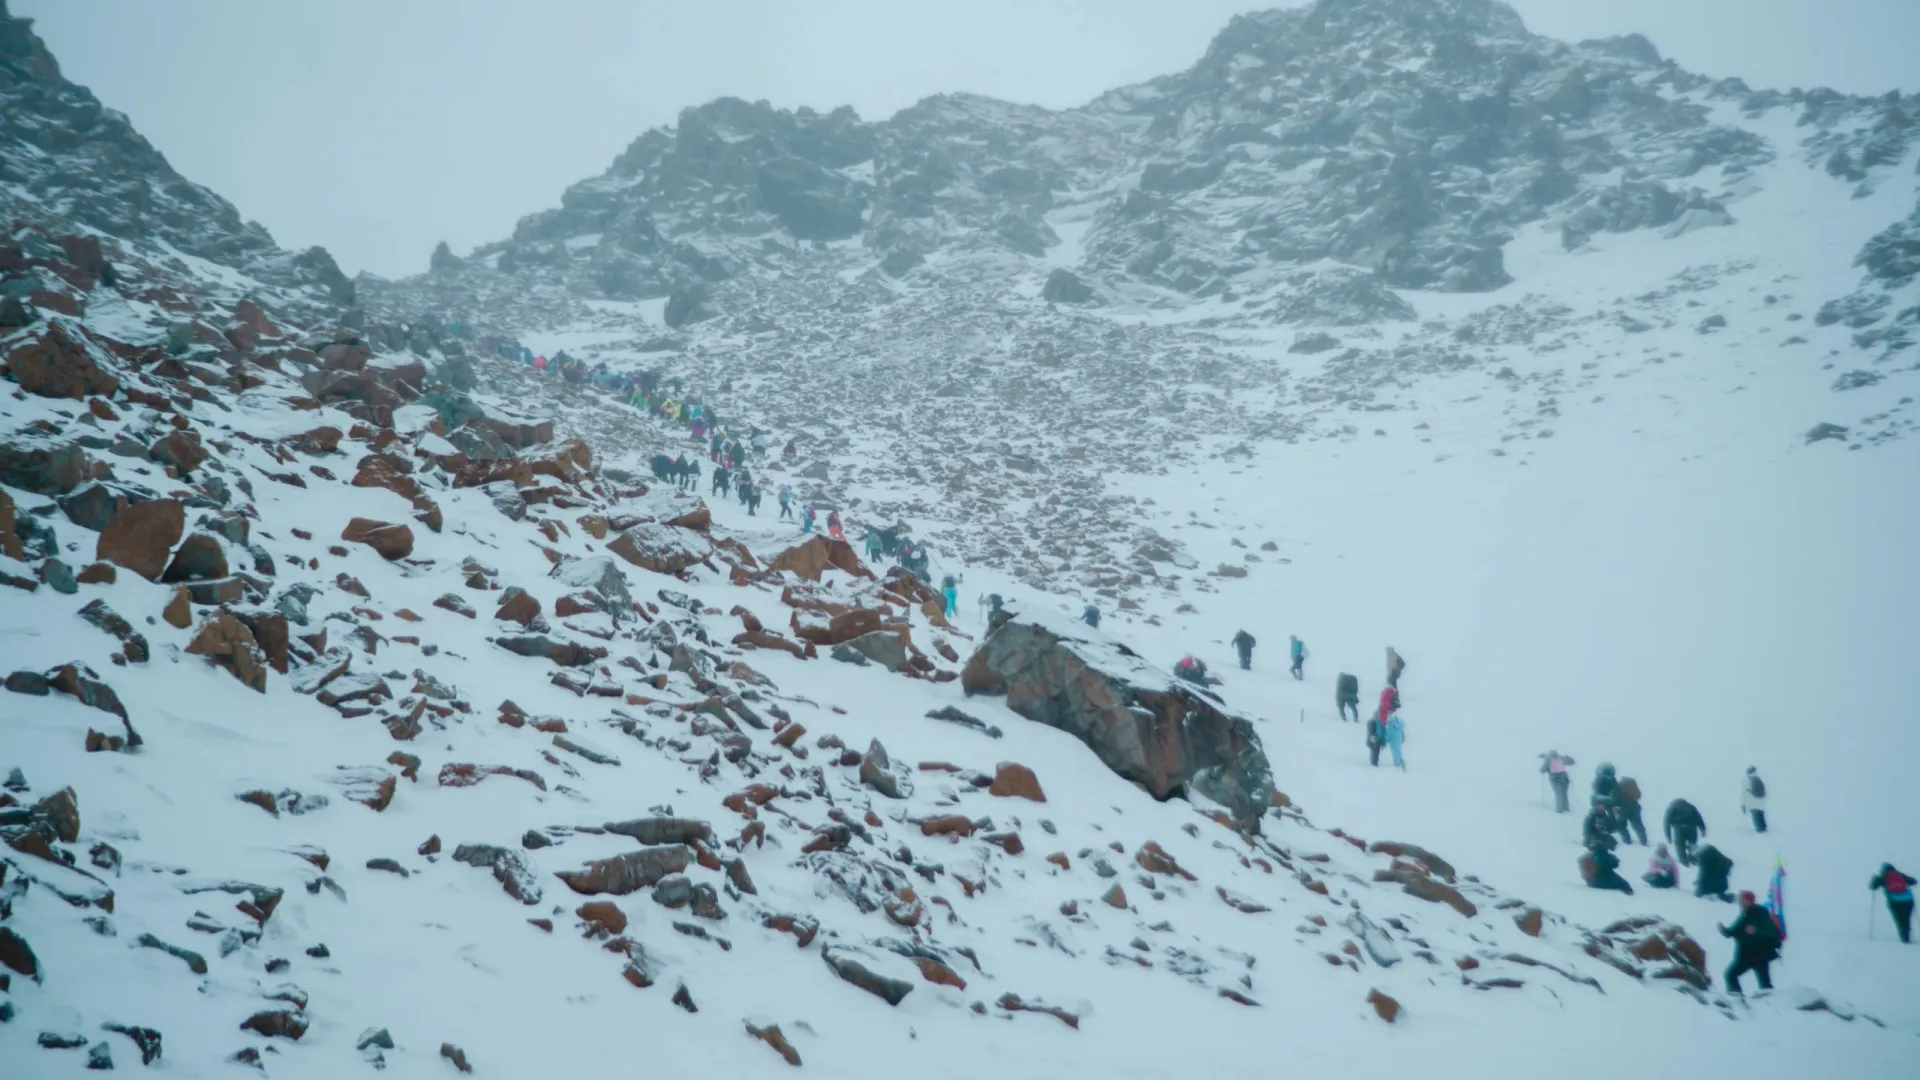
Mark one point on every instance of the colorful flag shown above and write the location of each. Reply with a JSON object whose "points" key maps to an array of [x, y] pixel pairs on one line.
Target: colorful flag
{"points": [[1777, 896]]}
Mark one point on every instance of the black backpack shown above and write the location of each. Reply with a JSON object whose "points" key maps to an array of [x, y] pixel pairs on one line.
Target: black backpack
{"points": [[1757, 786]]}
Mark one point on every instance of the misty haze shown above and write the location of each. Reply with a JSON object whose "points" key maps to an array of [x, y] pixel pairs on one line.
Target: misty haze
{"points": [[1023, 539]]}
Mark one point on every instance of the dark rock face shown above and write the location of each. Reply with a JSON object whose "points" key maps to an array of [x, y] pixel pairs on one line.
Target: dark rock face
{"points": [[63, 147], [1141, 722], [1064, 287]]}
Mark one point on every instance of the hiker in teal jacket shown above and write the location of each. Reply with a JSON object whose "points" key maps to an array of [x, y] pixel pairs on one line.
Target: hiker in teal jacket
{"points": [[1396, 735]]}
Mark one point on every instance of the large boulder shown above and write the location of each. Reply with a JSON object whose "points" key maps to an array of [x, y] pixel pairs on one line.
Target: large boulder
{"points": [[141, 536], [1144, 724], [601, 576], [57, 363], [41, 462], [660, 548], [811, 558], [226, 641]]}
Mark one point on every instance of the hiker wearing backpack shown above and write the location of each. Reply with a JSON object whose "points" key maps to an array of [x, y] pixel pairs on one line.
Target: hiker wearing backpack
{"points": [[1606, 788], [1554, 765], [1597, 829], [786, 501], [1389, 701], [1394, 734], [1600, 869], [1753, 799], [1376, 738], [1346, 695], [1298, 651], [950, 592], [1712, 879], [1899, 890], [1756, 943], [1629, 803], [1091, 616], [1684, 826], [1395, 665], [1192, 670], [1243, 644]]}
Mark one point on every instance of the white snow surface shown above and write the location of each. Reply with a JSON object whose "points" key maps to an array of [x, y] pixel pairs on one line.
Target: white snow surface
{"points": [[1621, 550]]}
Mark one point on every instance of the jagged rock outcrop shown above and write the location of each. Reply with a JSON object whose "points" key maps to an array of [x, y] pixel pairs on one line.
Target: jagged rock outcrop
{"points": [[1141, 722]]}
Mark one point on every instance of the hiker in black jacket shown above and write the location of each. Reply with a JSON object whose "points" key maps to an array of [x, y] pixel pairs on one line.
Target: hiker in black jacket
{"points": [[1712, 879], [1346, 695], [1596, 832], [1243, 644], [1684, 827], [1756, 943]]}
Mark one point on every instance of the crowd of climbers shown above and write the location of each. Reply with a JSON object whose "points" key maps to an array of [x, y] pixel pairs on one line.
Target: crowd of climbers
{"points": [[1614, 815], [732, 452]]}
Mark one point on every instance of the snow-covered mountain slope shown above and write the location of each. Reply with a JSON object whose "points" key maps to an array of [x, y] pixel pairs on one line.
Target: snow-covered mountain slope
{"points": [[68, 160], [1582, 504]]}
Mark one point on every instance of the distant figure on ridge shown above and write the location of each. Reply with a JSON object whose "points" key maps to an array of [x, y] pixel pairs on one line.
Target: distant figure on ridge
{"points": [[1297, 649], [1753, 799]]}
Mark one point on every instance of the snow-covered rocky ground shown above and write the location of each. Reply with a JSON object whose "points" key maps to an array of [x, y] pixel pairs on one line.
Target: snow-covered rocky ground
{"points": [[1583, 505]]}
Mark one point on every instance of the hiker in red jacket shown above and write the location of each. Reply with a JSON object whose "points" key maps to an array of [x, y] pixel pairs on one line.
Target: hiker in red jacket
{"points": [[1389, 701], [1899, 890]]}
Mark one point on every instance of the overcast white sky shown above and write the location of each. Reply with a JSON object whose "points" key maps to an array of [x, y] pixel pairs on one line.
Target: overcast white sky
{"points": [[379, 127]]}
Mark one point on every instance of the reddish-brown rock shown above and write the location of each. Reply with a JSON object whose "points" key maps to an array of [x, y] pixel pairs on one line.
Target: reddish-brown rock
{"points": [[1384, 1007], [623, 874], [518, 605], [390, 541], [938, 973], [142, 535], [179, 611], [1013, 781], [226, 641], [1529, 921], [602, 917], [770, 1034], [1115, 897], [1427, 860], [811, 558], [55, 362], [1154, 860], [1428, 889], [955, 825], [96, 573], [180, 449]]}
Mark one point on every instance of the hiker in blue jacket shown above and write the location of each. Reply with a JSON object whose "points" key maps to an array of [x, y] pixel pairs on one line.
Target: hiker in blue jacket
{"points": [[1298, 650], [1395, 735], [950, 591], [806, 519]]}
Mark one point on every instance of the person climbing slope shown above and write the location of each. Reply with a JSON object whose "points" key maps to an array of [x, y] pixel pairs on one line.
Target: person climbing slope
{"points": [[950, 592], [1554, 765], [1192, 670], [1395, 665], [1389, 701], [1346, 695], [1753, 799], [1662, 871], [1394, 732], [1091, 616], [786, 501], [1684, 827], [1606, 788], [1899, 890], [1298, 651], [871, 542], [1712, 878], [1243, 644], [833, 525], [806, 518], [1756, 943], [1629, 803], [1598, 827]]}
